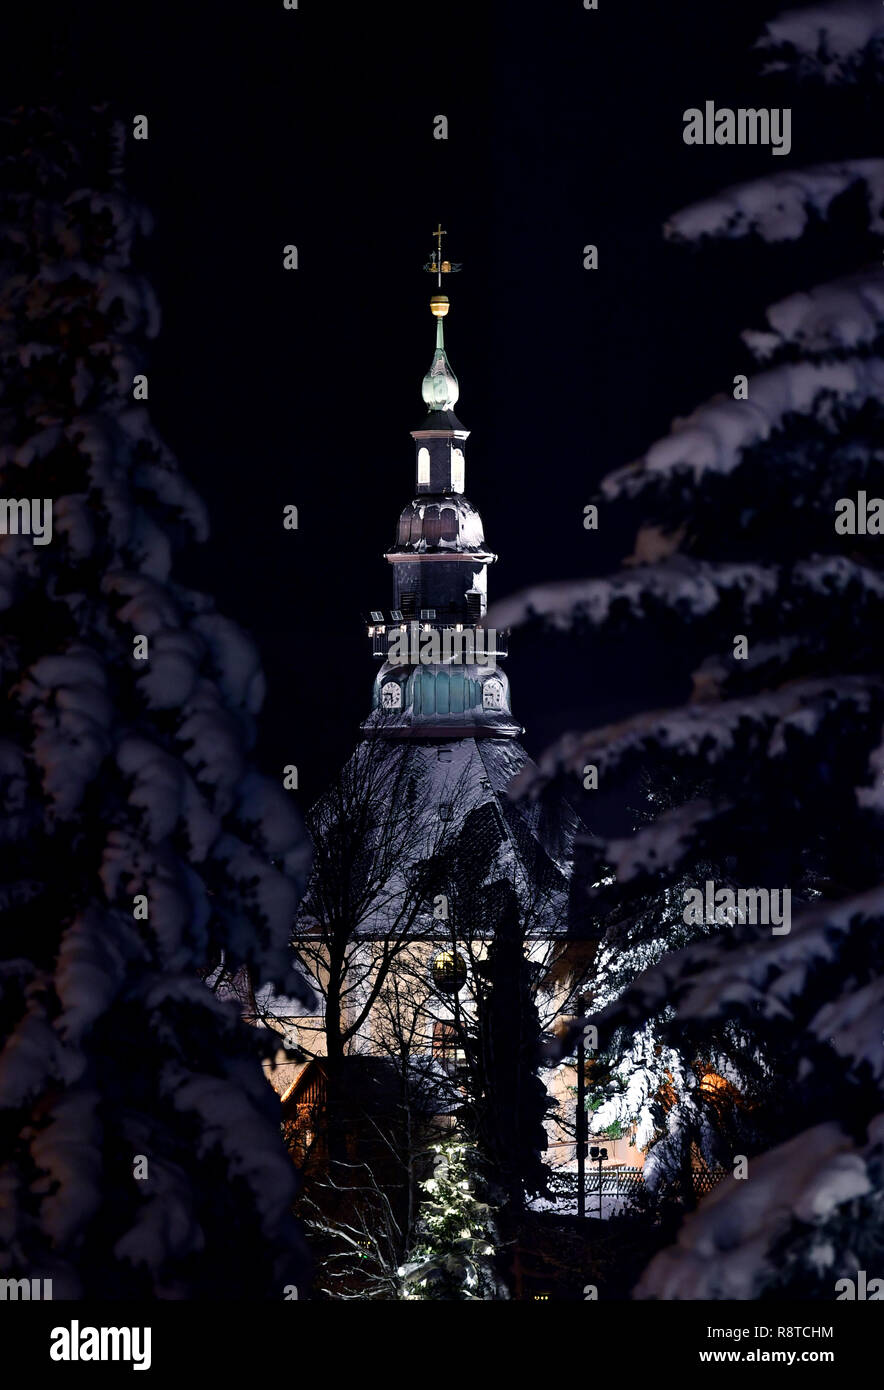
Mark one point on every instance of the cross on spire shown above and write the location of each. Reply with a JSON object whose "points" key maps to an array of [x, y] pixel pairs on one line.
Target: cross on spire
{"points": [[439, 234], [436, 265]]}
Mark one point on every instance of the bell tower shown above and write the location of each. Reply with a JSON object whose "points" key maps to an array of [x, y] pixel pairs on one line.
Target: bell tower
{"points": [[440, 676]]}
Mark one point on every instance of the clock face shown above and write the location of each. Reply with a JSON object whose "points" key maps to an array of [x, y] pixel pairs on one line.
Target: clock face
{"points": [[391, 695], [492, 694]]}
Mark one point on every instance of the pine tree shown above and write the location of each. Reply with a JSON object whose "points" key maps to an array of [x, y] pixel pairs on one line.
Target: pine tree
{"points": [[506, 1101], [140, 1143], [758, 550], [453, 1258]]}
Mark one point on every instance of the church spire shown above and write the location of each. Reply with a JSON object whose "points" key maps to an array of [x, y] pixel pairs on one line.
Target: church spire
{"points": [[455, 690], [439, 388]]}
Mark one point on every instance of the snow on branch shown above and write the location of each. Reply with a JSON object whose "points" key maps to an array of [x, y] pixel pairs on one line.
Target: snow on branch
{"points": [[704, 732], [844, 314], [694, 588], [722, 1247], [664, 844], [716, 435], [833, 42], [780, 206], [753, 972]]}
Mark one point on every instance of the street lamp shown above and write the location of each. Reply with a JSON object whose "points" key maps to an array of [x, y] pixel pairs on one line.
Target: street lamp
{"points": [[582, 1119], [601, 1156]]}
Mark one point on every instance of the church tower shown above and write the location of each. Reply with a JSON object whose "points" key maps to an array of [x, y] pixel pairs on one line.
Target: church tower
{"points": [[431, 883], [440, 676]]}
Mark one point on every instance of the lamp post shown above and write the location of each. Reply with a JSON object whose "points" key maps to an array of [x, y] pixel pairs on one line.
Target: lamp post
{"points": [[601, 1156], [582, 1125]]}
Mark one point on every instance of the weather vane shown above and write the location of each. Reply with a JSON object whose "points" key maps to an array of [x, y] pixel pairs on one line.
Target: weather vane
{"points": [[435, 265]]}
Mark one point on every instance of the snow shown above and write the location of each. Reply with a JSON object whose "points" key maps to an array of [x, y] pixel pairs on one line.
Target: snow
{"points": [[612, 1205], [707, 732], [213, 745], [854, 1025], [166, 795], [175, 492], [779, 207], [90, 970], [661, 845], [235, 658], [70, 711], [231, 1121], [72, 518], [279, 1009], [872, 797], [165, 1227], [150, 607], [267, 808], [156, 749], [827, 575], [715, 437], [722, 1248], [687, 587], [33, 1053], [816, 992], [841, 316], [765, 975], [826, 40], [68, 1151], [178, 909], [169, 677]]}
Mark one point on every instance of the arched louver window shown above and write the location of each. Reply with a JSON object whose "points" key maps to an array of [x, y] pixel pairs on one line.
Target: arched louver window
{"points": [[492, 694]]}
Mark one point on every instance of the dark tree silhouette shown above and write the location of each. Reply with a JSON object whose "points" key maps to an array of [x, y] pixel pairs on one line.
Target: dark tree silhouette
{"points": [[758, 552], [139, 845]]}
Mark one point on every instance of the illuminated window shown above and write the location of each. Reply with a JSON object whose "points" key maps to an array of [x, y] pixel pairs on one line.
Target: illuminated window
{"points": [[712, 1082], [715, 1087], [423, 467], [457, 470], [445, 1043]]}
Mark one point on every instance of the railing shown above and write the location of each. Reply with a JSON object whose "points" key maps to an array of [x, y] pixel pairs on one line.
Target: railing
{"points": [[493, 643], [620, 1182]]}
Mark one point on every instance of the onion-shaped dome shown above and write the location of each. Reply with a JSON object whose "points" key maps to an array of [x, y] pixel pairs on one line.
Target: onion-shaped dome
{"points": [[450, 524], [439, 388]]}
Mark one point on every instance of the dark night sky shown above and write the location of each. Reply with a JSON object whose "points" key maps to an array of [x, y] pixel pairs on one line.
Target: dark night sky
{"points": [[315, 127]]}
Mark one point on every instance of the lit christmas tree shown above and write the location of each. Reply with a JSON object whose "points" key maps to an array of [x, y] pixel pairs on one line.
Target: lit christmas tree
{"points": [[453, 1260]]}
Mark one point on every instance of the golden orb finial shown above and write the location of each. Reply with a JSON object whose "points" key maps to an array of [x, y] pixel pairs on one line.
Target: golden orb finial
{"points": [[439, 305]]}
